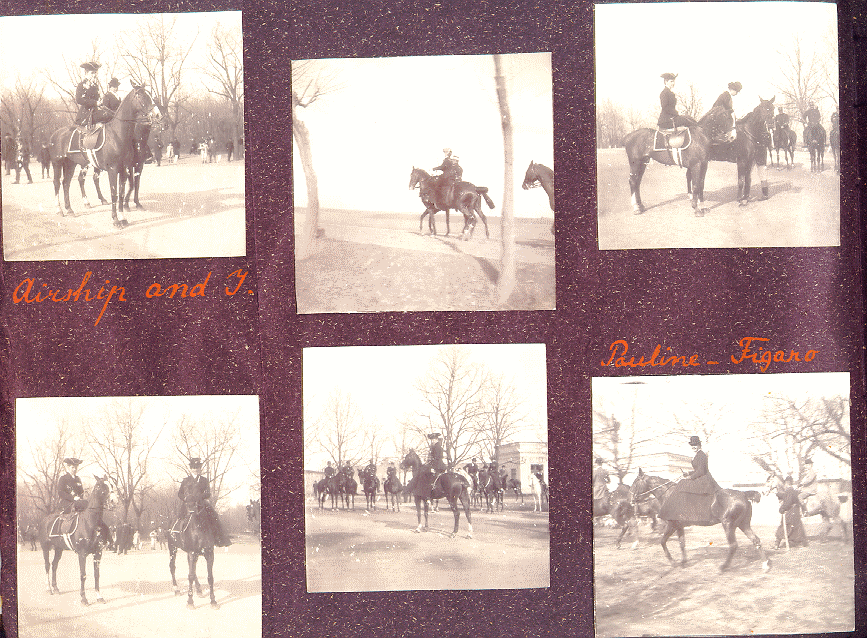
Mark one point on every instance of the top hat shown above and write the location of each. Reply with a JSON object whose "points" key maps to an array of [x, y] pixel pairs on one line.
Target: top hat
{"points": [[694, 440]]}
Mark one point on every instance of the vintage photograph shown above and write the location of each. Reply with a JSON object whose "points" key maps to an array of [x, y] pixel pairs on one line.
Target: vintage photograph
{"points": [[717, 125], [424, 183], [722, 505], [123, 136], [138, 516], [426, 467]]}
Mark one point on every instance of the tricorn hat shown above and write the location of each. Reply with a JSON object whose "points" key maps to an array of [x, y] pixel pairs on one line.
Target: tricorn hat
{"points": [[694, 440], [114, 82], [90, 66], [736, 86], [668, 76], [196, 463], [434, 435], [71, 460]]}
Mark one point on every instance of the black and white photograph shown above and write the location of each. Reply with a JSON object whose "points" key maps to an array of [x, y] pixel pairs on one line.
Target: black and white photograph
{"points": [[123, 136], [138, 516], [722, 505], [717, 125], [423, 183], [426, 468]]}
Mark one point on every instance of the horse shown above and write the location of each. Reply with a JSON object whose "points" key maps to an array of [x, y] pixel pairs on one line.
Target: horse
{"points": [[30, 535], [333, 488], [447, 485], [115, 154], [392, 488], [822, 504], [540, 175], [515, 486], [730, 508], [370, 485], [349, 488], [785, 138], [254, 516], [83, 534], [814, 138], [142, 133], [536, 491], [834, 142], [617, 506], [489, 485], [436, 194], [193, 535]]}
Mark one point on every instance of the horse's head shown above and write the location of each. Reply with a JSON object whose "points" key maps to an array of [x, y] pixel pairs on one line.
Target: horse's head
{"points": [[530, 177], [142, 104], [773, 484], [411, 460], [765, 111], [415, 177], [102, 496]]}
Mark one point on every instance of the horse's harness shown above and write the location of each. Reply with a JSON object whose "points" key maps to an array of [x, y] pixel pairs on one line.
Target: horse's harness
{"points": [[637, 498]]}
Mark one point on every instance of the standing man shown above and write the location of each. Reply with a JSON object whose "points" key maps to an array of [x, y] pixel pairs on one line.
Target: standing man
{"points": [[22, 159], [601, 494], [194, 492]]}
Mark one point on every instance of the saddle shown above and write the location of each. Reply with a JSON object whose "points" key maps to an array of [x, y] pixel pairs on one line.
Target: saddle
{"points": [[675, 138], [63, 526], [86, 141]]}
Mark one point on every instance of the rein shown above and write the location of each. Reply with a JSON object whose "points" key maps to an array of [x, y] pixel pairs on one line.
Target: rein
{"points": [[652, 490]]}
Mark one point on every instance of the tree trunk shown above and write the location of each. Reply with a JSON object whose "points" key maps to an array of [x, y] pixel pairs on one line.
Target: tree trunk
{"points": [[305, 243], [508, 266]]}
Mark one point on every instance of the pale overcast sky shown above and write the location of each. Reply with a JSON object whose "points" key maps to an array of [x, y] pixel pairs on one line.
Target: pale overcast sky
{"points": [[391, 114], [707, 43], [381, 379]]}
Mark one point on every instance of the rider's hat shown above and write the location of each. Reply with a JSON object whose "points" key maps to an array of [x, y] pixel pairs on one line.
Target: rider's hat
{"points": [[447, 151], [668, 76], [114, 82], [599, 461], [789, 479], [196, 463], [434, 435], [71, 460], [694, 440], [90, 66], [736, 86], [808, 461]]}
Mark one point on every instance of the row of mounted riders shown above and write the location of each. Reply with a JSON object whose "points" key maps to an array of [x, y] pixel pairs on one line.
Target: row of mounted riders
{"points": [[486, 488], [731, 508], [447, 191], [746, 143]]}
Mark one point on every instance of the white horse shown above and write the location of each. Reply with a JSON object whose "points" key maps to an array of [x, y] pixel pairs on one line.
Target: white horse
{"points": [[538, 492]]}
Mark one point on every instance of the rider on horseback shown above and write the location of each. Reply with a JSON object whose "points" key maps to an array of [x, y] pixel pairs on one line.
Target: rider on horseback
{"points": [[601, 494], [370, 470], [808, 485], [87, 97], [450, 167], [69, 488], [438, 466], [781, 120], [669, 119], [194, 492], [110, 101], [329, 471], [691, 497]]}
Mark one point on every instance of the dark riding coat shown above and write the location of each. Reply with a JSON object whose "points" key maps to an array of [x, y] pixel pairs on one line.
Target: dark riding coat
{"points": [[781, 120], [110, 101], [668, 115], [600, 483], [195, 491], [436, 454], [725, 101], [68, 487], [790, 507], [690, 499], [329, 472]]}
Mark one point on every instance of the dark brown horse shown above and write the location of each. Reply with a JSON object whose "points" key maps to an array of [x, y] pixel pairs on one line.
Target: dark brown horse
{"points": [[449, 485], [392, 489], [439, 193], [617, 506], [116, 153], [193, 535], [786, 139], [540, 175], [814, 138], [370, 485], [83, 533], [834, 142], [730, 508]]}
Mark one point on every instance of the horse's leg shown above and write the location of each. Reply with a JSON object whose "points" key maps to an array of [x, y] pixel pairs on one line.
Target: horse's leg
{"points": [[82, 175], [636, 172], [102, 200], [453, 501], [729, 528], [669, 530], [46, 551], [58, 551], [418, 512], [448, 226], [209, 559], [97, 557], [762, 172], [421, 219], [82, 568], [191, 576], [482, 215], [173, 551], [746, 529]]}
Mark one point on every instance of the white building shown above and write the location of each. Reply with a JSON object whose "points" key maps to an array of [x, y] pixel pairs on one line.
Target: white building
{"points": [[521, 459]]}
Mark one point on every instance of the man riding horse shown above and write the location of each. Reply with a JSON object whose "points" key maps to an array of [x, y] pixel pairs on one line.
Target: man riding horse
{"points": [[87, 97], [194, 493]]}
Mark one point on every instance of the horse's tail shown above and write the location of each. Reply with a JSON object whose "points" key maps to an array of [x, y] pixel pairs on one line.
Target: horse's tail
{"points": [[483, 191]]}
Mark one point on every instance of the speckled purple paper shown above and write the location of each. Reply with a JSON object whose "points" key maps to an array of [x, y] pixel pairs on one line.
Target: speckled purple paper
{"points": [[697, 302]]}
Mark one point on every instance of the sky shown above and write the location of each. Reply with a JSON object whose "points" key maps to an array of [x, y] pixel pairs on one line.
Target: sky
{"points": [[71, 36], [737, 41], [657, 398], [380, 380], [35, 419], [392, 114]]}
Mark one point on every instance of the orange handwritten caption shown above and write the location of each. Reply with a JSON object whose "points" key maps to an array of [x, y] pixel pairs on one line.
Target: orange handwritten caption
{"points": [[751, 351], [29, 293]]}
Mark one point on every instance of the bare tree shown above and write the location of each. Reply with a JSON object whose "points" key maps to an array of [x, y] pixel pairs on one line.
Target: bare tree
{"points": [[452, 392], [39, 479], [508, 264], [503, 414], [803, 76], [224, 68], [154, 55], [691, 101], [342, 434], [122, 440], [310, 82], [216, 440], [66, 83], [703, 419], [610, 124]]}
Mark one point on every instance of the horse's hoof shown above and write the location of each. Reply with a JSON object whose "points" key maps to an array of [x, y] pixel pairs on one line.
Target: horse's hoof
{"points": [[139, 206], [84, 602], [101, 600], [87, 205], [743, 202], [637, 211], [190, 605], [214, 604]]}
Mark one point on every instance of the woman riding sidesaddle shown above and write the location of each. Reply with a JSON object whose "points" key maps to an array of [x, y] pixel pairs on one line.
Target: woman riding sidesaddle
{"points": [[691, 497]]}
